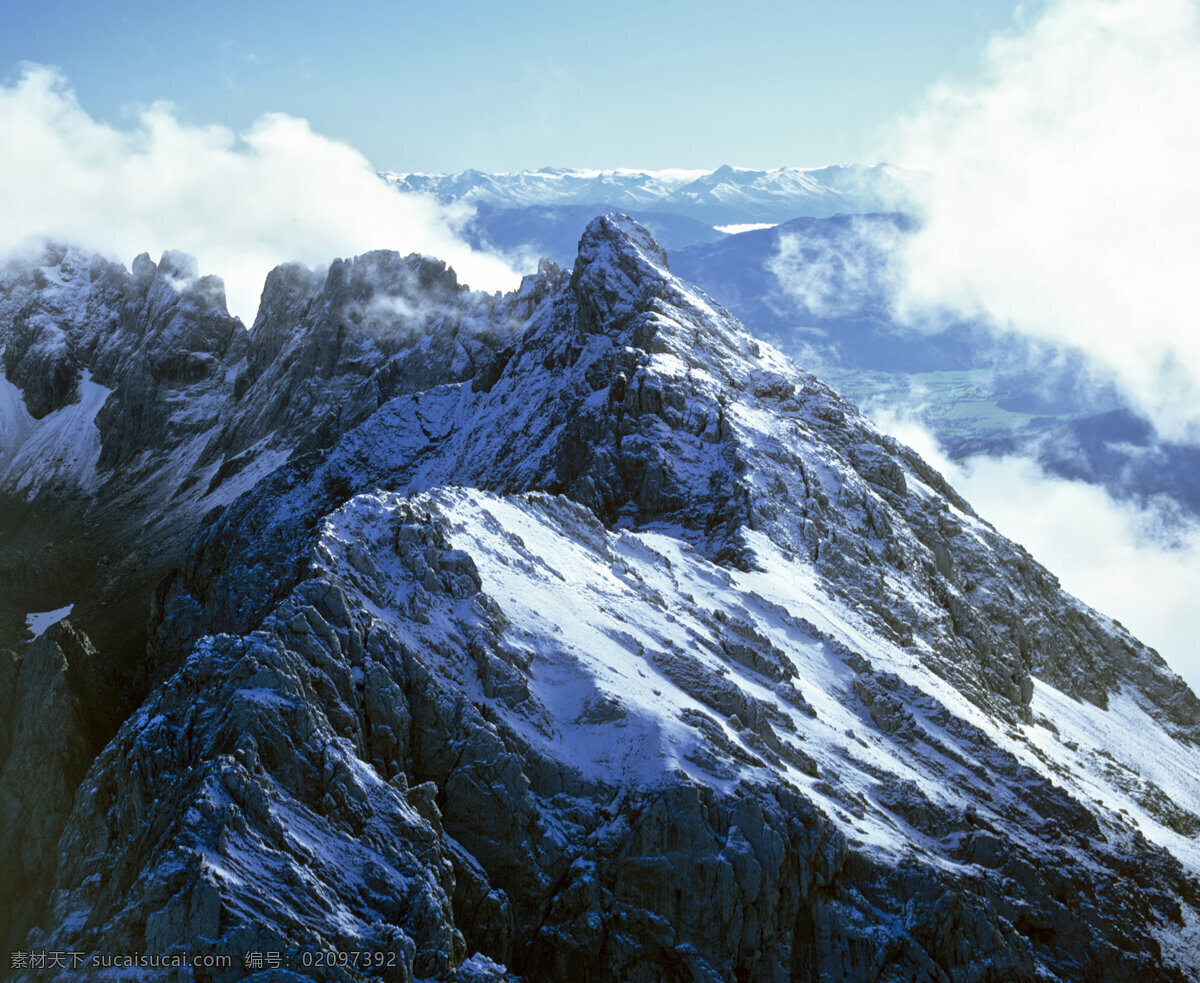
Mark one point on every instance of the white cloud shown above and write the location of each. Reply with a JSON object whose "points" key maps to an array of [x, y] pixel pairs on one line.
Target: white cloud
{"points": [[837, 270], [1138, 564], [1062, 198], [241, 203]]}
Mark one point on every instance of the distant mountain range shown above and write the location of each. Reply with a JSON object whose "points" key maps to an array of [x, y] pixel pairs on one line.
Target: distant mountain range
{"points": [[726, 196]]}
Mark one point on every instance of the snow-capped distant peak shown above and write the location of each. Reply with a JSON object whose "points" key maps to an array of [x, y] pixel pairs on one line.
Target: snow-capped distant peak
{"points": [[725, 195]]}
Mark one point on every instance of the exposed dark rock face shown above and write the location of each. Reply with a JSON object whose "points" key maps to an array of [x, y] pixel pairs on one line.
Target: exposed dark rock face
{"points": [[50, 714], [326, 350], [105, 499], [581, 636]]}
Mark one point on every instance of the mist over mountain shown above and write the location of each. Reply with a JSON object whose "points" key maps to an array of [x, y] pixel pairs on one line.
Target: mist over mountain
{"points": [[568, 633]]}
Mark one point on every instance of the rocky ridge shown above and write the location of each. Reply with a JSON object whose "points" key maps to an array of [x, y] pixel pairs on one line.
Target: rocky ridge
{"points": [[611, 645], [203, 409]]}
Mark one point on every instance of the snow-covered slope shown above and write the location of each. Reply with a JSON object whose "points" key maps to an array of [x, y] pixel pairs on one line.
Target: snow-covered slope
{"points": [[611, 645], [63, 446]]}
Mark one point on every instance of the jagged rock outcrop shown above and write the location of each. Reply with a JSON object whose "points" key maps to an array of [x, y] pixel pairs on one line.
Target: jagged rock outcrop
{"points": [[49, 714], [138, 404], [614, 646], [648, 403], [98, 477], [328, 348]]}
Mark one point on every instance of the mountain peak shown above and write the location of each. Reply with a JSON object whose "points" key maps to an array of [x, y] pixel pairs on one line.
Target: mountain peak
{"points": [[616, 239], [578, 630], [619, 269], [178, 264]]}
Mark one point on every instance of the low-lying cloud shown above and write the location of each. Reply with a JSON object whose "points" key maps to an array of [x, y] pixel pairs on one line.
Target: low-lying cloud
{"points": [[838, 269], [1060, 197], [240, 202], [1138, 563]]}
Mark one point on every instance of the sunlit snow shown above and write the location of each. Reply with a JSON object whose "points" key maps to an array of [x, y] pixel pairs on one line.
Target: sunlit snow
{"points": [[744, 227]]}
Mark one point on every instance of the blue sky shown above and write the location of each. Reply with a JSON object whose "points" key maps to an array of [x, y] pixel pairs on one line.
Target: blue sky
{"points": [[424, 86]]}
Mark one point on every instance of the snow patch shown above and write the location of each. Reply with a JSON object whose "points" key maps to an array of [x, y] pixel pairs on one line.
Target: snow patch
{"points": [[38, 621], [62, 446]]}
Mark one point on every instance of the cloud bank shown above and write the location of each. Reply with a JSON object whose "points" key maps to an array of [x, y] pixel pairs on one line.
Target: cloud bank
{"points": [[837, 270], [1138, 563], [1061, 198], [241, 203]]}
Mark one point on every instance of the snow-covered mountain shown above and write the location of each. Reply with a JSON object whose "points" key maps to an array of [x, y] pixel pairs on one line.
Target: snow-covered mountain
{"points": [[569, 634], [728, 195], [822, 290], [816, 284]]}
